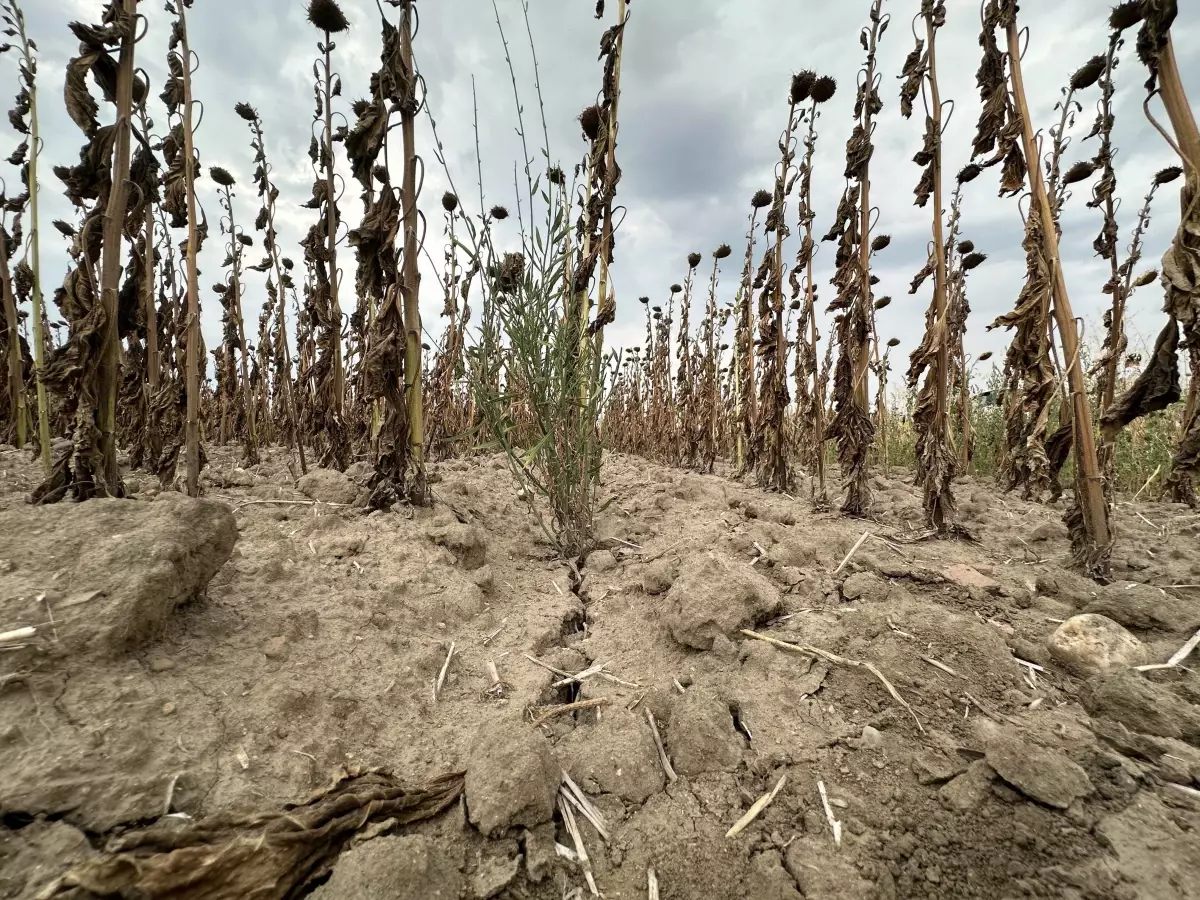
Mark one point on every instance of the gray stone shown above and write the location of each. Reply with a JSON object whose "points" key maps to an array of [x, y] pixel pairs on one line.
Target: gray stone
{"points": [[1089, 644], [1142, 706], [601, 561], [512, 778]]}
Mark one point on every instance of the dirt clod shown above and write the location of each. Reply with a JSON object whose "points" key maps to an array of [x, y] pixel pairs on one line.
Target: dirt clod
{"points": [[512, 777], [328, 486], [717, 596], [406, 867], [1043, 775], [701, 737]]}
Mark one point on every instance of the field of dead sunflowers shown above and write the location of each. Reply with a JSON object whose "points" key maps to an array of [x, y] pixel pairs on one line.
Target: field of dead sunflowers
{"points": [[519, 602]]}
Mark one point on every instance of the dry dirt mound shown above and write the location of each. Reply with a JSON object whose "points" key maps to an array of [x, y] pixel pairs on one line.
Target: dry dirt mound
{"points": [[928, 741]]}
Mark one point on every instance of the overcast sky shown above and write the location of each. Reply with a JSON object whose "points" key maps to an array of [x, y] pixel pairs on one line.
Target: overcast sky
{"points": [[704, 87]]}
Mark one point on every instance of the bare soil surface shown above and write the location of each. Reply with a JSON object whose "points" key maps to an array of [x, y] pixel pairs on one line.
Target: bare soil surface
{"points": [[1006, 769]]}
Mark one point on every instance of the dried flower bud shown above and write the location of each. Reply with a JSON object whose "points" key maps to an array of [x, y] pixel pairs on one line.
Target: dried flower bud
{"points": [[893, 342], [499, 213], [246, 111], [823, 89], [221, 176], [883, 302], [973, 260], [761, 199], [1125, 15], [694, 260], [984, 357], [965, 247], [880, 242], [1081, 171], [449, 202], [589, 121], [1167, 175], [327, 16], [1147, 277], [969, 172], [802, 84], [1088, 74]]}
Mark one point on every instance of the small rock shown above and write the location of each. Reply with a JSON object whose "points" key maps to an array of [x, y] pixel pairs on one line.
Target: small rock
{"points": [[701, 737], [658, 577], [540, 855], [1046, 776], [601, 561], [1089, 644], [1048, 531], [864, 586], [495, 872], [717, 596], [168, 708], [872, 738], [969, 577], [328, 486], [160, 663], [968, 790], [512, 778], [394, 867], [276, 647]]}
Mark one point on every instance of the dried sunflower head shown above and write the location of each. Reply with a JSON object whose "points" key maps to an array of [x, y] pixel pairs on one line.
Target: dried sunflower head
{"points": [[246, 111], [589, 121], [969, 172], [555, 176], [973, 260], [499, 213], [1167, 175], [722, 251], [694, 260], [760, 199], [327, 16], [1125, 15], [221, 176], [823, 89], [880, 242], [1081, 171], [449, 202], [893, 342], [1147, 277], [676, 288], [966, 246], [802, 84], [1088, 74], [883, 302], [984, 357], [795, 304], [645, 300]]}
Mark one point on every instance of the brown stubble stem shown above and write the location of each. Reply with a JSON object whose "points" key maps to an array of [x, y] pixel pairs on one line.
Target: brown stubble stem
{"points": [[192, 422], [109, 374], [1116, 328], [153, 365], [1088, 479], [941, 418], [410, 278], [331, 224], [818, 423], [606, 228], [16, 381], [235, 247]]}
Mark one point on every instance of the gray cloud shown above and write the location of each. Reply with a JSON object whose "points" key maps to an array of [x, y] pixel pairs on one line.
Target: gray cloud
{"points": [[703, 91]]}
